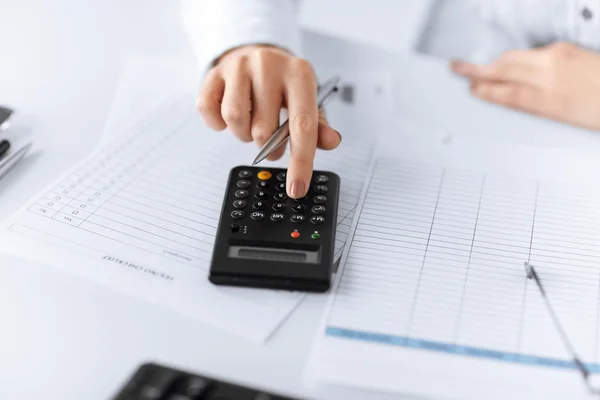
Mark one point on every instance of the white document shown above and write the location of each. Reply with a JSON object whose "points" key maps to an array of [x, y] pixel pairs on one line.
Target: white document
{"points": [[431, 297], [140, 215]]}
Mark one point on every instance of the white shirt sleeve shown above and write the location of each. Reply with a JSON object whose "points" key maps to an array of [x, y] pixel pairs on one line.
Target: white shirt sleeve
{"points": [[215, 26], [514, 24]]}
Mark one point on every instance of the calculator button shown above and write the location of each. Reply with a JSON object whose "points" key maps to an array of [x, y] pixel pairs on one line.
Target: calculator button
{"points": [[264, 175], [278, 206], [320, 189], [193, 387], [281, 176], [243, 184], [320, 199], [277, 217], [315, 235], [240, 203], [235, 228], [280, 186], [242, 194], [280, 196], [299, 208], [318, 209], [259, 205], [317, 219], [297, 218], [321, 179], [245, 174], [261, 195], [237, 214], [158, 385], [295, 234], [257, 215], [262, 185]]}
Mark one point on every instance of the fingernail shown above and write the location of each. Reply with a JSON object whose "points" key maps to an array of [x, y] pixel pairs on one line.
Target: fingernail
{"points": [[339, 134], [297, 189]]}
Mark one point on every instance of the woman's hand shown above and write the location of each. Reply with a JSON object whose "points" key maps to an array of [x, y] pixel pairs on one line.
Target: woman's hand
{"points": [[245, 92], [560, 82]]}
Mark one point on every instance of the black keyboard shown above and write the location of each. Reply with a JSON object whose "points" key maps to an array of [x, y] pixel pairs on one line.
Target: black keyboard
{"points": [[158, 382]]}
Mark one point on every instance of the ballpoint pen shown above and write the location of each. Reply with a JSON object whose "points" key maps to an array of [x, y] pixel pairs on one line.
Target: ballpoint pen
{"points": [[5, 114], [9, 159], [282, 134], [12, 159]]}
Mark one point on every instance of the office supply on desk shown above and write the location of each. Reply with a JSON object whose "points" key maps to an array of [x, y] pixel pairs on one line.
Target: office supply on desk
{"points": [[5, 114], [282, 134], [431, 286], [4, 147], [140, 215], [13, 158], [586, 374], [159, 382], [267, 240]]}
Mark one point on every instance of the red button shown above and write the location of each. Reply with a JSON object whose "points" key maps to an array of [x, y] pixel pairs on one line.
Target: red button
{"points": [[295, 235]]}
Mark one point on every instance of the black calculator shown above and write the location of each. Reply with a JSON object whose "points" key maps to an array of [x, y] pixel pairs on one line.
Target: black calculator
{"points": [[267, 240], [160, 382]]}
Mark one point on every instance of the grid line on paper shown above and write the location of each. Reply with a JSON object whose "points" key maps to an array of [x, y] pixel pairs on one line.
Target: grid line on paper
{"points": [[414, 304], [462, 296], [473, 281], [525, 283], [596, 345]]}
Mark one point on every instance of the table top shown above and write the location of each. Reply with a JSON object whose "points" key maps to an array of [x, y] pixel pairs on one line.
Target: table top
{"points": [[76, 339]]}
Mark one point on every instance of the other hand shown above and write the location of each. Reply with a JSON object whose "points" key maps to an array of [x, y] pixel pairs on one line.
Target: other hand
{"points": [[560, 82], [245, 92]]}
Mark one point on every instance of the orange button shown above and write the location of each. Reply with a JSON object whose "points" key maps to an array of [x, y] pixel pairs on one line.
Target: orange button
{"points": [[295, 235], [264, 175]]}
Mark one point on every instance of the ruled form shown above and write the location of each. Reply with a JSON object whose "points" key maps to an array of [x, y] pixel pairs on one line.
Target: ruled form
{"points": [[140, 215], [432, 288]]}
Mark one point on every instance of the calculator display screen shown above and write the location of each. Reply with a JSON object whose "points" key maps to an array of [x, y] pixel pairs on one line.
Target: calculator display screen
{"points": [[273, 254]]}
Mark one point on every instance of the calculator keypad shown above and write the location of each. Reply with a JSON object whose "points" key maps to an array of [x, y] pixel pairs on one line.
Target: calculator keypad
{"points": [[241, 194], [320, 189], [161, 382], [317, 219], [259, 205], [277, 217], [278, 206], [280, 196], [265, 191], [319, 199], [243, 184], [237, 214], [297, 218], [240, 204], [299, 208]]}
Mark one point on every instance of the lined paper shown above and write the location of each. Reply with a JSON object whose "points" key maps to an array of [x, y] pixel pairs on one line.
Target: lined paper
{"points": [[141, 213], [434, 282]]}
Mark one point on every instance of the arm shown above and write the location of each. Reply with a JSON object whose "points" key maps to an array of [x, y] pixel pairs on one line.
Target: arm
{"points": [[560, 82], [217, 26], [250, 48]]}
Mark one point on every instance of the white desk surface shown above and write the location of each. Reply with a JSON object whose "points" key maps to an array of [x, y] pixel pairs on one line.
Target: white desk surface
{"points": [[65, 338]]}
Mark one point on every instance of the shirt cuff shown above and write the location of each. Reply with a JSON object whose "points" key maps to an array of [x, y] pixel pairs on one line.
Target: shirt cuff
{"points": [[228, 26]]}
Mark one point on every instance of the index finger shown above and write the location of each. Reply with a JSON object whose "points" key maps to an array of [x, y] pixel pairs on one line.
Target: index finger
{"points": [[301, 98]]}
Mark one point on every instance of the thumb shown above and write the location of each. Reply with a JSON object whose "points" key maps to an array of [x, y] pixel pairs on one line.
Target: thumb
{"points": [[328, 138]]}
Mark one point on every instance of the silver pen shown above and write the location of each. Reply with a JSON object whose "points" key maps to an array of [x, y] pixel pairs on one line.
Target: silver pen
{"points": [[7, 163], [5, 114], [11, 159], [282, 133]]}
